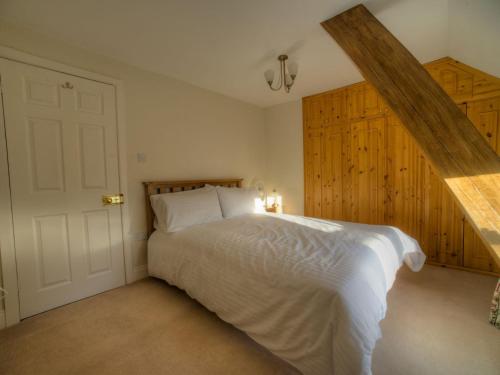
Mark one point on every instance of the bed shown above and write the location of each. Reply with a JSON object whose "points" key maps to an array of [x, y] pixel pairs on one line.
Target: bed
{"points": [[311, 291]]}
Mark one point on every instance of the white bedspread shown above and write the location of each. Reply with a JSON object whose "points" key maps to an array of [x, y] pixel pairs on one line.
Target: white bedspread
{"points": [[311, 291]]}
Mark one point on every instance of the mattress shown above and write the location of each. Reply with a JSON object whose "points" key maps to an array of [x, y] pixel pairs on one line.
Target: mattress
{"points": [[311, 291]]}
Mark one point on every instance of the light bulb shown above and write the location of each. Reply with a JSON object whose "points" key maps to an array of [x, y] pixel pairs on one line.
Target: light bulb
{"points": [[288, 80], [269, 76]]}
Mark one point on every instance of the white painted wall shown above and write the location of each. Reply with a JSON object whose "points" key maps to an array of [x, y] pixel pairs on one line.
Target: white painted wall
{"points": [[474, 33], [186, 132], [285, 163]]}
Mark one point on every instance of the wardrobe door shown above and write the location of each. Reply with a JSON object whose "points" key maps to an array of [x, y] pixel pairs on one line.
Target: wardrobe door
{"points": [[485, 115], [367, 146], [62, 148]]}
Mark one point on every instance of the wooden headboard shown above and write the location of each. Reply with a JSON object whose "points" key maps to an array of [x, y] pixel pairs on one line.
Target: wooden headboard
{"points": [[161, 187]]}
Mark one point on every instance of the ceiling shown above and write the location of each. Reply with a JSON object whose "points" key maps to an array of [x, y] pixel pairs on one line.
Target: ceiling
{"points": [[226, 45]]}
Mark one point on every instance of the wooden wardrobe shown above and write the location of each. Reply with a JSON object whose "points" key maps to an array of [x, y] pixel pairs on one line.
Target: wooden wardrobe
{"points": [[361, 165]]}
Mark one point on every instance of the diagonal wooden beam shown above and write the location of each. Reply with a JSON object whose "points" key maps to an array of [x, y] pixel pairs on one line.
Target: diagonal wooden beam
{"points": [[468, 165]]}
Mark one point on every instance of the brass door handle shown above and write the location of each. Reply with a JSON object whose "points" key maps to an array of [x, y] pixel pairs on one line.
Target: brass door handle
{"points": [[112, 199]]}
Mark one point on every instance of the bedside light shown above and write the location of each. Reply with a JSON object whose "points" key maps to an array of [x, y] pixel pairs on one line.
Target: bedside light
{"points": [[260, 205], [274, 203], [260, 200]]}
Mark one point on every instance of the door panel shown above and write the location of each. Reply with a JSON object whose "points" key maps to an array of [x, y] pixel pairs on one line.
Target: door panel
{"points": [[46, 156], [368, 161], [485, 115], [335, 108], [92, 156], [40, 91], [356, 100], [331, 174], [52, 249], [62, 148], [97, 240], [476, 255], [312, 147], [364, 101]]}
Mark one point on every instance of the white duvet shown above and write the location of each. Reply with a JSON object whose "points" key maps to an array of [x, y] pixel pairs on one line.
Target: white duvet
{"points": [[311, 291]]}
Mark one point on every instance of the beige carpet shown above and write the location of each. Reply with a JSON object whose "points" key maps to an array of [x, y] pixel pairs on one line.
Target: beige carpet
{"points": [[436, 324]]}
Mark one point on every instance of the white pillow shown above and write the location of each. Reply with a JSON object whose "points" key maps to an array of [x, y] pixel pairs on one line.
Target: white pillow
{"points": [[176, 211], [237, 201]]}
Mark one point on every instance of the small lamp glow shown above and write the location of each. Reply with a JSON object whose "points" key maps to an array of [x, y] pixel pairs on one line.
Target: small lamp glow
{"points": [[274, 202], [259, 206]]}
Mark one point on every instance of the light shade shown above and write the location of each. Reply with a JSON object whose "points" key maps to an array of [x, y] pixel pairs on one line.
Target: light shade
{"points": [[293, 69], [286, 75], [269, 75]]}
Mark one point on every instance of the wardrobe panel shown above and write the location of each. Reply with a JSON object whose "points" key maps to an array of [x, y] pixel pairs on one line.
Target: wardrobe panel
{"points": [[370, 169]]}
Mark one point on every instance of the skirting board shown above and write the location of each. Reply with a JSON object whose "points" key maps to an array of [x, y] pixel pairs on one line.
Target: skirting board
{"points": [[436, 264]]}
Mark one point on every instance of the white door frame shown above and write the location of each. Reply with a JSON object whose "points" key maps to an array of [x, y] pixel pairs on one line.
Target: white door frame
{"points": [[7, 248]]}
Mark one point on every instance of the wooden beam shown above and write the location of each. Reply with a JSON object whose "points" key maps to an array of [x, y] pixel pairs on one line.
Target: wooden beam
{"points": [[468, 165]]}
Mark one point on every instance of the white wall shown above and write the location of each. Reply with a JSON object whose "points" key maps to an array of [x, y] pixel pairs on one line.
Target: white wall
{"points": [[285, 163], [474, 33], [186, 132]]}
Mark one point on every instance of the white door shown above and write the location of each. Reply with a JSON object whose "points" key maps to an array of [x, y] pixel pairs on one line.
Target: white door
{"points": [[63, 157]]}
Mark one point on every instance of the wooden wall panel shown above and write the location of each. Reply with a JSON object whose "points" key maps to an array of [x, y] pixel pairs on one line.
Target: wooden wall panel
{"points": [[476, 256], [405, 179], [461, 155], [485, 115], [332, 192], [313, 172], [362, 165], [368, 170]]}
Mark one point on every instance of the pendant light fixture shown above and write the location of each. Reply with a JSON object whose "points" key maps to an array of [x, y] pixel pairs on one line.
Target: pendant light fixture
{"points": [[288, 73]]}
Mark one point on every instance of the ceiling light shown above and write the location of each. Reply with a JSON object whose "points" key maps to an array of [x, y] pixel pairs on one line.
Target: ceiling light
{"points": [[287, 75]]}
